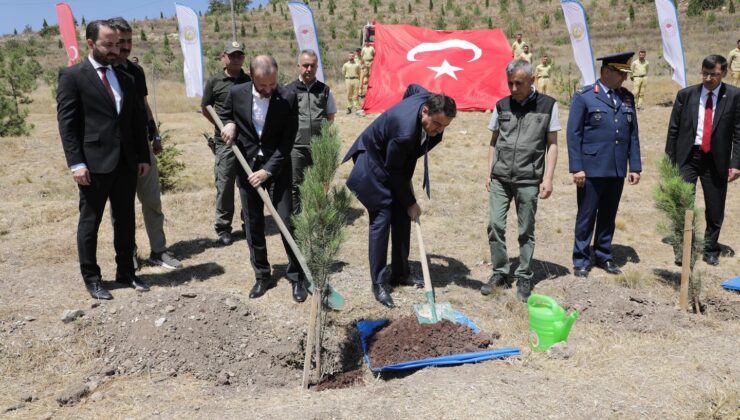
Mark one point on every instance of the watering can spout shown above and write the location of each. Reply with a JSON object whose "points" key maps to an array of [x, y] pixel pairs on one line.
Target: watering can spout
{"points": [[568, 323]]}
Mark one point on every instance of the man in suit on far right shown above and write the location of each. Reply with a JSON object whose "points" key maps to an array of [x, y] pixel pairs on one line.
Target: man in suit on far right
{"points": [[704, 142]]}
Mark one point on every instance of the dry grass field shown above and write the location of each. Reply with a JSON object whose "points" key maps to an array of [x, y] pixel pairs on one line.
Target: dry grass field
{"points": [[631, 354]]}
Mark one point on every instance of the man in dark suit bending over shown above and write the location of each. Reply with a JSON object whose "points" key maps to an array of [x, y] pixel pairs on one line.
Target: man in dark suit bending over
{"points": [[104, 140], [385, 156], [262, 119], [704, 141]]}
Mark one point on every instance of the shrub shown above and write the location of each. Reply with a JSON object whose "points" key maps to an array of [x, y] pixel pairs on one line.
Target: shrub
{"points": [[167, 164]]}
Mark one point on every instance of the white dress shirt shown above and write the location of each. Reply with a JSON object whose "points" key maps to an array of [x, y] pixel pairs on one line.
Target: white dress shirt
{"points": [[702, 109]]}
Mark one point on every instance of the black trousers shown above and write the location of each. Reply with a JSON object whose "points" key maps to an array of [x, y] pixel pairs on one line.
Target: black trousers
{"points": [[701, 166], [393, 221], [279, 190], [119, 187]]}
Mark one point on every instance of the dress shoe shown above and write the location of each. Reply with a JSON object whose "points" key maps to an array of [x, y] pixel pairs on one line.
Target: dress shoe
{"points": [[97, 291], [259, 289], [382, 295], [299, 291], [224, 238], [610, 267], [711, 259], [496, 280], [133, 281], [523, 288], [408, 280], [581, 272]]}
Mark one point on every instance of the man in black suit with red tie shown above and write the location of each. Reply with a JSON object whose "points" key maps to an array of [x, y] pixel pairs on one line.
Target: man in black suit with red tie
{"points": [[104, 140], [262, 119], [704, 141]]}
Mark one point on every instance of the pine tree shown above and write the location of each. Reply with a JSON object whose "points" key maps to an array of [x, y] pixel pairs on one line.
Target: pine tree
{"points": [[15, 31], [216, 28], [731, 7], [84, 23], [254, 29], [673, 197], [161, 15], [18, 73], [440, 23], [142, 35], [431, 5], [168, 166], [490, 23], [242, 31], [60, 44], [320, 227], [44, 25], [409, 8], [631, 13]]}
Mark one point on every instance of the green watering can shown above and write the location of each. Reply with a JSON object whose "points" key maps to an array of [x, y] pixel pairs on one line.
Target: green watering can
{"points": [[548, 323]]}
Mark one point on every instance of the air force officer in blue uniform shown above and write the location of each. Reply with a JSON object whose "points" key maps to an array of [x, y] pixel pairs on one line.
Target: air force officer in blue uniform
{"points": [[602, 140], [385, 156]]}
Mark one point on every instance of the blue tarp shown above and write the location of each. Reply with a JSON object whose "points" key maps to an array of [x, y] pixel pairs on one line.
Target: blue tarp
{"points": [[368, 328], [732, 284]]}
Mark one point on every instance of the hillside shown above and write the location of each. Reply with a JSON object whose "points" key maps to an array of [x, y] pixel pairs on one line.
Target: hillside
{"points": [[269, 30]]}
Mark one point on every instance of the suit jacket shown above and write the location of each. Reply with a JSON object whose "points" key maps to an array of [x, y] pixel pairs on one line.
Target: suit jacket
{"points": [[603, 137], [392, 144], [278, 134], [725, 127], [91, 130]]}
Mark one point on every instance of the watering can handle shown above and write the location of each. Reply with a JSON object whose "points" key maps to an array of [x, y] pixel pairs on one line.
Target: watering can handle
{"points": [[542, 300]]}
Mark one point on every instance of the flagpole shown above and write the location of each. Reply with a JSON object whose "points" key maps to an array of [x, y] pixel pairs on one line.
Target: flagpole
{"points": [[233, 22]]}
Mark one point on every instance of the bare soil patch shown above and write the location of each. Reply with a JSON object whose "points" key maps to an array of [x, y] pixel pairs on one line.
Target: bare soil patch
{"points": [[212, 336]]}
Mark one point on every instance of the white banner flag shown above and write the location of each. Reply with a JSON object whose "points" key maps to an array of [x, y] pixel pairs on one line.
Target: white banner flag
{"points": [[575, 19], [305, 32], [672, 45], [192, 68]]}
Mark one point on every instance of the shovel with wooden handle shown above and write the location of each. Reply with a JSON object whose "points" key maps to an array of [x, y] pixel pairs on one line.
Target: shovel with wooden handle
{"points": [[334, 299], [431, 312]]}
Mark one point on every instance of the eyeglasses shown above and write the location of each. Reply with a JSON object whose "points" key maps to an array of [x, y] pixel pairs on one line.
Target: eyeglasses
{"points": [[705, 74]]}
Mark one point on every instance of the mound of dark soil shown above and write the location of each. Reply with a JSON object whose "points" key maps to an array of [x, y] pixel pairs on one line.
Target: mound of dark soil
{"points": [[405, 339], [213, 336]]}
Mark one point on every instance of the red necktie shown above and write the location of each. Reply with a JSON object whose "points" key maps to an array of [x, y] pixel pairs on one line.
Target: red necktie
{"points": [[106, 83], [706, 135]]}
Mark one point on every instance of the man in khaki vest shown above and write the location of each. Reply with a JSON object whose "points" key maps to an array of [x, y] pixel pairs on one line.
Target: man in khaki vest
{"points": [[542, 76], [734, 60], [518, 46], [639, 69], [367, 55], [351, 72], [525, 55]]}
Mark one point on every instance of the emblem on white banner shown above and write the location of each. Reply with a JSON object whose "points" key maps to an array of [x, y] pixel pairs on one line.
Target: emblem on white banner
{"points": [[306, 33], [445, 67], [669, 28], [577, 31], [188, 34]]}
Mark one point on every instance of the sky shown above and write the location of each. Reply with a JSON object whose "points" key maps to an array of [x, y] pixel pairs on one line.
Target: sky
{"points": [[16, 14]]}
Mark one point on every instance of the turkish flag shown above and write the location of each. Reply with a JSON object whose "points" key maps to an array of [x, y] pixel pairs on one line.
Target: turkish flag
{"points": [[68, 31], [469, 66]]}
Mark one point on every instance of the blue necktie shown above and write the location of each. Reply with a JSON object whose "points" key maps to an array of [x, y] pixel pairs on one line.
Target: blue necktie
{"points": [[425, 183]]}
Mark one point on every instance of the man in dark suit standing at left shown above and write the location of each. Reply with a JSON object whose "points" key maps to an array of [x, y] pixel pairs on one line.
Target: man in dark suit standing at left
{"points": [[104, 140], [262, 119], [704, 142]]}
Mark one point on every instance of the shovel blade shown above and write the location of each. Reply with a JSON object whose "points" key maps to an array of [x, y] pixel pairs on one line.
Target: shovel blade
{"points": [[427, 313]]}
